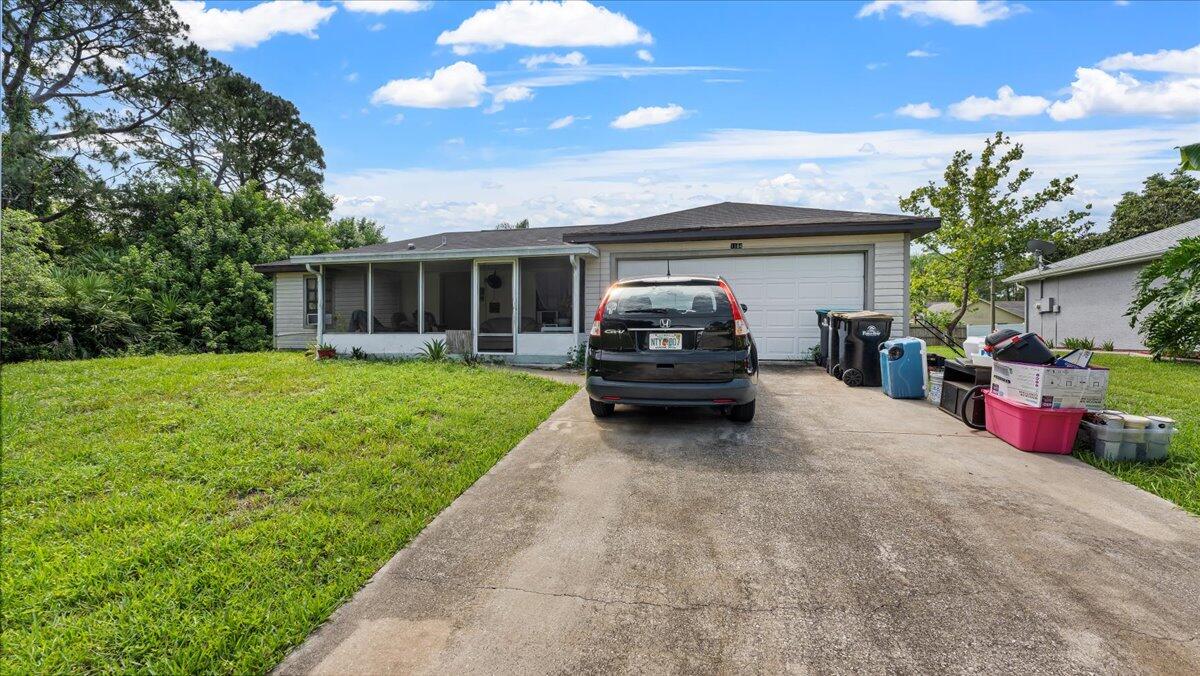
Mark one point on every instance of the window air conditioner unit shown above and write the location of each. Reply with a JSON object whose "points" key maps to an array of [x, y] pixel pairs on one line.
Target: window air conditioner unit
{"points": [[311, 318]]}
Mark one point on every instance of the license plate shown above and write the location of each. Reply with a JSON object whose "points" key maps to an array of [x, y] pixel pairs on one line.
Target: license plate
{"points": [[666, 341]]}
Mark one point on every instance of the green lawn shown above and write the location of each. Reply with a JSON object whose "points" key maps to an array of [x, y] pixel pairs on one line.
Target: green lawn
{"points": [[205, 513], [1144, 387]]}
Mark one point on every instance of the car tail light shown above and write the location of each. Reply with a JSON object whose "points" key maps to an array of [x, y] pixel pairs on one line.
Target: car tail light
{"points": [[740, 327], [595, 333]]}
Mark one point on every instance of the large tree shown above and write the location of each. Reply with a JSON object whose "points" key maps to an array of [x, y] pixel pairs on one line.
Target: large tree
{"points": [[988, 216], [82, 81], [1163, 202], [235, 132]]}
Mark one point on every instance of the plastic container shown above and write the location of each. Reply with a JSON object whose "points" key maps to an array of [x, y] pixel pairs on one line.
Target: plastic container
{"points": [[902, 368], [860, 334], [1111, 443], [1158, 444], [935, 387], [1027, 348], [825, 326], [1036, 430], [833, 349]]}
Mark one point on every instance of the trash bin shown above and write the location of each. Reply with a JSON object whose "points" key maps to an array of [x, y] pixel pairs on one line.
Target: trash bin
{"points": [[902, 368], [860, 334], [837, 336], [825, 326]]}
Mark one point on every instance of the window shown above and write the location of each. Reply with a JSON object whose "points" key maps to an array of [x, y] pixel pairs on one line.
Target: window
{"points": [[546, 295], [346, 298], [310, 301], [395, 295], [669, 300], [447, 296]]}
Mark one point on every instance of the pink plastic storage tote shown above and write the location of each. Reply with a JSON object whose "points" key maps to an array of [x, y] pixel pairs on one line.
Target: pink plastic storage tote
{"points": [[1038, 430]]}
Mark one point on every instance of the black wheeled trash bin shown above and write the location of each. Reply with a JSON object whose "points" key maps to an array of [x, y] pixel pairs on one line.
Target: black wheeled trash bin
{"points": [[861, 333], [825, 326], [833, 344]]}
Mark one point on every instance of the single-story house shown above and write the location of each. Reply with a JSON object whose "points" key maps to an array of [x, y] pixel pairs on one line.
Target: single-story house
{"points": [[1010, 314], [1086, 296], [529, 295]]}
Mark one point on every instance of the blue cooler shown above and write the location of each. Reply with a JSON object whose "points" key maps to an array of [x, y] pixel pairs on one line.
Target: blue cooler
{"points": [[902, 368]]}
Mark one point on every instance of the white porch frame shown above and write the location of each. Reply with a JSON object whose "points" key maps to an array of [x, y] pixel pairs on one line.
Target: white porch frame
{"points": [[407, 343]]}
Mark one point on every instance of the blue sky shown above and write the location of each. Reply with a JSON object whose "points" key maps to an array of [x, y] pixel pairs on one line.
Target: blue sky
{"points": [[434, 115]]}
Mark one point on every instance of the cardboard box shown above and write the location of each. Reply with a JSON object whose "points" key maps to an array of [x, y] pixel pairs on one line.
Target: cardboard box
{"points": [[1050, 387]]}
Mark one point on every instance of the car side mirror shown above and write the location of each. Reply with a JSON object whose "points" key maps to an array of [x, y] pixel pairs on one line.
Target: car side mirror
{"points": [[744, 308]]}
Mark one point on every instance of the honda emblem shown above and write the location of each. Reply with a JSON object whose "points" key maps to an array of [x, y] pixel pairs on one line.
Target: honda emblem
{"points": [[665, 323]]}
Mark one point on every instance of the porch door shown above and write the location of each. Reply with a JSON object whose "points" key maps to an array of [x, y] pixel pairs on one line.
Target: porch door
{"points": [[496, 306]]}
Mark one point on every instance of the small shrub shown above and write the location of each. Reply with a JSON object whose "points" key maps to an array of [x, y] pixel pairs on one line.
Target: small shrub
{"points": [[434, 350], [577, 356], [1079, 343], [1107, 346], [358, 353]]}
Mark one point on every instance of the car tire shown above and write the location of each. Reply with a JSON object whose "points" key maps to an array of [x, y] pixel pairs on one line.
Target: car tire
{"points": [[852, 377], [742, 413], [601, 409]]}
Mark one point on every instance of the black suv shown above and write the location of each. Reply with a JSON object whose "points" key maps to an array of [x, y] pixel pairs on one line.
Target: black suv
{"points": [[672, 341]]}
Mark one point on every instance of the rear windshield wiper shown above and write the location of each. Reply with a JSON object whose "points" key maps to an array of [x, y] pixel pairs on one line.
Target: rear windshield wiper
{"points": [[649, 310]]}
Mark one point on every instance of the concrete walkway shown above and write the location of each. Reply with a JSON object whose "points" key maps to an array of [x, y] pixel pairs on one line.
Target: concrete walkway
{"points": [[840, 531]]}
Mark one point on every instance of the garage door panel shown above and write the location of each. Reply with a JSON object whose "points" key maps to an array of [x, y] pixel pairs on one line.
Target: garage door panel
{"points": [[781, 292]]}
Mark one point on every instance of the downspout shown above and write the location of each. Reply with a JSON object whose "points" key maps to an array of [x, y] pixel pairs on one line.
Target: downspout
{"points": [[575, 300], [320, 273]]}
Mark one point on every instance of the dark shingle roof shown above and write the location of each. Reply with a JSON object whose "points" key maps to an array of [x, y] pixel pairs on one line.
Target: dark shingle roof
{"points": [[739, 219], [716, 221], [1135, 249]]}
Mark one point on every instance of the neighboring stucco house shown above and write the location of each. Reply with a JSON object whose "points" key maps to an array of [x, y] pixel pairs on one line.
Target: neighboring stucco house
{"points": [[530, 295], [1010, 314], [1087, 296]]}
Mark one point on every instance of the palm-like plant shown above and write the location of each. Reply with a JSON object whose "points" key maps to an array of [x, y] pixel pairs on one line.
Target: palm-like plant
{"points": [[434, 350]]}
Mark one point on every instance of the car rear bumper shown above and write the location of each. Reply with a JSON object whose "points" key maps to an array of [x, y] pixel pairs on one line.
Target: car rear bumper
{"points": [[736, 391]]}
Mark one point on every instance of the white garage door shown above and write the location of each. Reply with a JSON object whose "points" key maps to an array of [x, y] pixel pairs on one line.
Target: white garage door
{"points": [[781, 291]]}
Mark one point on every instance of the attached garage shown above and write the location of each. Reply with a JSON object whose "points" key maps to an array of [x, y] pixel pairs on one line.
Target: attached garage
{"points": [[781, 291]]}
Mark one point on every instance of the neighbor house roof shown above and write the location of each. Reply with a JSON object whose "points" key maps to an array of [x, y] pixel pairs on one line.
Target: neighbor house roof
{"points": [[716, 221], [741, 220], [1138, 249], [1013, 307]]}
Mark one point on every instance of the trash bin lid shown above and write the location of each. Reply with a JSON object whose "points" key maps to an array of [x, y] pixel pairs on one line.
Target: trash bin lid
{"points": [[865, 314]]}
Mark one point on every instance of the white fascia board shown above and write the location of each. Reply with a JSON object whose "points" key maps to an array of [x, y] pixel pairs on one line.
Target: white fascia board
{"points": [[450, 254], [1034, 275]]}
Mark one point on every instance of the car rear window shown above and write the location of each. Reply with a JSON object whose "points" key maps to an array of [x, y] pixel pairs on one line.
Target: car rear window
{"points": [[673, 300]]}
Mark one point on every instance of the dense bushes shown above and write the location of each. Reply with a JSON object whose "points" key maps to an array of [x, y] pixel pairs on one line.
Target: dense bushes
{"points": [[1167, 291], [171, 271]]}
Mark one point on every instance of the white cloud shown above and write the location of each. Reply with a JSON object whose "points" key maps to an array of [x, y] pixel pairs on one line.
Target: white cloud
{"points": [[645, 55], [876, 65], [351, 77], [958, 12], [385, 6], [396, 119], [920, 111], [810, 168], [732, 165], [563, 122], [648, 115], [921, 54], [1181, 61], [544, 24], [460, 85], [561, 77], [868, 148], [1006, 104], [1096, 92], [509, 94], [376, 27], [569, 59], [224, 30]]}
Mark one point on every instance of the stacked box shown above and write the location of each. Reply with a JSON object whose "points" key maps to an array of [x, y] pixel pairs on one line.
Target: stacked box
{"points": [[1049, 386]]}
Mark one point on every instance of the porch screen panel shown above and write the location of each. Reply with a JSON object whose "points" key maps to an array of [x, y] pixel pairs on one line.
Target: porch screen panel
{"points": [[546, 295], [395, 289], [346, 298], [447, 296]]}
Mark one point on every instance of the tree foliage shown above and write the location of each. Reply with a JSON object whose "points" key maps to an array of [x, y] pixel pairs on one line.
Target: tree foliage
{"points": [[1163, 202], [349, 233], [522, 224], [81, 81], [1166, 303], [988, 215]]}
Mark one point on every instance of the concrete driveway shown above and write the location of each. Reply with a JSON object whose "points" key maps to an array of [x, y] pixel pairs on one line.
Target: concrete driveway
{"points": [[840, 531]]}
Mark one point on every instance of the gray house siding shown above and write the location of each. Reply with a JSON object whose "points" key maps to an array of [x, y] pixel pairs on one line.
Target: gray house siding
{"points": [[1092, 306], [291, 332]]}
